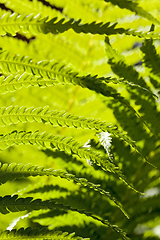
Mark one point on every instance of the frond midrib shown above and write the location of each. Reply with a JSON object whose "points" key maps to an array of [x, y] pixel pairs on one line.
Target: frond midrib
{"points": [[31, 82], [31, 66], [21, 23], [88, 125]]}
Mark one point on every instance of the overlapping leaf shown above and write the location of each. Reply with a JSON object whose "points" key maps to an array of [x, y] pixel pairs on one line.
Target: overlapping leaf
{"points": [[14, 115], [66, 144], [29, 233], [35, 24], [9, 172], [15, 204], [48, 73], [151, 61]]}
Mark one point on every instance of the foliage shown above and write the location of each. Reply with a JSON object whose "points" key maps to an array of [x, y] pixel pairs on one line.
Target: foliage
{"points": [[79, 119]]}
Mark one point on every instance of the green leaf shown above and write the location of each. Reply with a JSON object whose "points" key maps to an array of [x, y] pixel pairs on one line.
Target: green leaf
{"points": [[151, 60], [14, 115], [66, 144], [13, 23], [10, 172], [15, 204], [41, 234]]}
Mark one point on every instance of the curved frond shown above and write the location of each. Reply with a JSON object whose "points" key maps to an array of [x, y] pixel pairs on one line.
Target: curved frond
{"points": [[29, 233], [14, 115], [15, 82], [43, 73], [126, 71], [15, 204], [66, 144], [90, 172], [119, 65], [48, 73], [9, 172], [35, 24]]}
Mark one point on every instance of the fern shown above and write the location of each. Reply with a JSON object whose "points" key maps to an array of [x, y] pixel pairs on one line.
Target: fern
{"points": [[67, 144], [13, 115], [79, 119], [28, 233], [13, 23], [151, 61], [16, 171], [14, 204]]}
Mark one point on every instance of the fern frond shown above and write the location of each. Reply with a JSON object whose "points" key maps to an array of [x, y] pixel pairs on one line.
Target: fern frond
{"points": [[29, 233], [134, 7], [93, 28], [15, 204], [66, 144], [151, 60], [15, 114], [119, 65], [48, 70], [15, 82], [13, 23], [9, 172], [48, 73], [128, 83], [35, 24], [126, 71]]}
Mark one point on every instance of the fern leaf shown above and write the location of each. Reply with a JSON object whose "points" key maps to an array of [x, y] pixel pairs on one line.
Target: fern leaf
{"points": [[14, 82], [66, 144], [151, 60], [134, 7], [128, 83], [126, 71], [93, 28], [16, 114], [119, 66], [9, 172], [29, 233], [13, 23], [15, 204], [13, 115], [48, 73], [35, 74], [98, 85]]}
